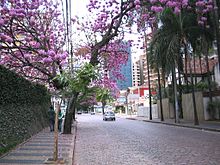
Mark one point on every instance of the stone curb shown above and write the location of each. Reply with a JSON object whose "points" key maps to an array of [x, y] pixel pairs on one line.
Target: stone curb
{"points": [[74, 139], [178, 125]]}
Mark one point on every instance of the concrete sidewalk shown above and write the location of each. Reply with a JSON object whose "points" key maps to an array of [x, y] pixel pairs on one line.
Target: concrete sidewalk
{"points": [[40, 147], [205, 125]]}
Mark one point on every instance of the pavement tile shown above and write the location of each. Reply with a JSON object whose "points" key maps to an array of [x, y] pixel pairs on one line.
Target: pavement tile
{"points": [[8, 161], [39, 148]]}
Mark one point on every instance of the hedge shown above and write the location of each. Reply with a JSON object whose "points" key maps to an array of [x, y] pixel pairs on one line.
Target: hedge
{"points": [[23, 109]]}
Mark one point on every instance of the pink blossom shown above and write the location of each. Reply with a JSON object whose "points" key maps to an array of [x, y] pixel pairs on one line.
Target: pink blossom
{"points": [[47, 60], [2, 22], [200, 3], [153, 1], [203, 19], [176, 10], [9, 39], [51, 53], [157, 9]]}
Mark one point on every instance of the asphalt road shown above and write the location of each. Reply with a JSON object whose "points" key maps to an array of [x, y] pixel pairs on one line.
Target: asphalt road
{"points": [[131, 142]]}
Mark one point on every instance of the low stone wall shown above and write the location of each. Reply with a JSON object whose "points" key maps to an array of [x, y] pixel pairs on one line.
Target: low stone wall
{"points": [[188, 110], [145, 111], [187, 105], [206, 112], [168, 110]]}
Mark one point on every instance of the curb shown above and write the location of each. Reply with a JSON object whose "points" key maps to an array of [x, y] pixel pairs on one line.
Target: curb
{"points": [[178, 125], [74, 139]]}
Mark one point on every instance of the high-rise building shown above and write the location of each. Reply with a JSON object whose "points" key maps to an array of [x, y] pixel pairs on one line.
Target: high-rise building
{"points": [[136, 72], [140, 69], [126, 71]]}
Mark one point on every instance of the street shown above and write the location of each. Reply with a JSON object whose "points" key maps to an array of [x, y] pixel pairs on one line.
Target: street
{"points": [[131, 142]]}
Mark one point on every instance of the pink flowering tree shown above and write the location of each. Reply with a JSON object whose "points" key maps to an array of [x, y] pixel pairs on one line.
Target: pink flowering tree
{"points": [[32, 39]]}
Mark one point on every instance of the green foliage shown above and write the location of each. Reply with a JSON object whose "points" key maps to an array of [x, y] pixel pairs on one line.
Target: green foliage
{"points": [[78, 84], [23, 109], [201, 86], [79, 81], [214, 105], [103, 95], [87, 99], [204, 86], [17, 90]]}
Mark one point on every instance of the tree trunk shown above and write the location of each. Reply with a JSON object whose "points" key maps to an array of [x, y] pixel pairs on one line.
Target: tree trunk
{"points": [[186, 73], [200, 65], [194, 66], [148, 77], [103, 107], [209, 81], [70, 112], [180, 87], [196, 121], [175, 95], [160, 95]]}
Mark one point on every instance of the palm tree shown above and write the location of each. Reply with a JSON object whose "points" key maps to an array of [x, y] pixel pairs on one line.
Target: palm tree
{"points": [[171, 38], [158, 59]]}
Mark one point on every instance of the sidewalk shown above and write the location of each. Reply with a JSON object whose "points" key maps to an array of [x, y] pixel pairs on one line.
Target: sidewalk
{"points": [[39, 148], [205, 125]]}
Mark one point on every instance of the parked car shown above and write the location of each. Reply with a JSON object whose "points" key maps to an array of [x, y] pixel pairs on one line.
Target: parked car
{"points": [[79, 112], [109, 116], [92, 113]]}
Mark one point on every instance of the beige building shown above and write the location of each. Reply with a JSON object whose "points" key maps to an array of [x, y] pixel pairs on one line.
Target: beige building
{"points": [[140, 73]]}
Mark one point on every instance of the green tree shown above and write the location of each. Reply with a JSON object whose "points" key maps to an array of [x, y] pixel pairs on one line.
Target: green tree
{"points": [[75, 85], [104, 96]]}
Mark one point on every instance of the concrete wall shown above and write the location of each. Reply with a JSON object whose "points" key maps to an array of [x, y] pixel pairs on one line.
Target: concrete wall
{"points": [[205, 105], [145, 111], [168, 110], [188, 110]]}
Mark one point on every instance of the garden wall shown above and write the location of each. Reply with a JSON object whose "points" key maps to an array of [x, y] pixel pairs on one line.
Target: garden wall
{"points": [[23, 109]]}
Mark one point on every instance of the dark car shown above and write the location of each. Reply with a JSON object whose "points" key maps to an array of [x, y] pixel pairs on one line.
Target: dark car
{"points": [[109, 116]]}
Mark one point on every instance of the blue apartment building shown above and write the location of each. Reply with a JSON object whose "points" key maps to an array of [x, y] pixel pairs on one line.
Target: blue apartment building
{"points": [[126, 71]]}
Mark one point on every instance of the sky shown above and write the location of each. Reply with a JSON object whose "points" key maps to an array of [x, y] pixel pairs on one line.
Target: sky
{"points": [[79, 7]]}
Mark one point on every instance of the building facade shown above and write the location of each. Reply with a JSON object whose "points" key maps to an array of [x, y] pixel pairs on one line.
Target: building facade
{"points": [[126, 71]]}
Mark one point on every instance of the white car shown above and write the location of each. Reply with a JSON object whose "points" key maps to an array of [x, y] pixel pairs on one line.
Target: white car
{"points": [[109, 116]]}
